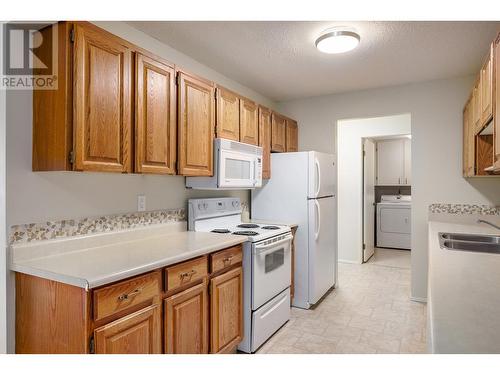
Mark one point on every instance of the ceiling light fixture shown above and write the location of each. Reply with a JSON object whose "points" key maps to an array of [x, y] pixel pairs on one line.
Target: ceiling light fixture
{"points": [[337, 40]]}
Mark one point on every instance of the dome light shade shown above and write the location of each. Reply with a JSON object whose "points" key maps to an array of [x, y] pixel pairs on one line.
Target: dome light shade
{"points": [[337, 41]]}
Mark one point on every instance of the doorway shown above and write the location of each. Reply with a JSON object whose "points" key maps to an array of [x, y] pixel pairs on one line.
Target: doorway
{"points": [[351, 134], [387, 200]]}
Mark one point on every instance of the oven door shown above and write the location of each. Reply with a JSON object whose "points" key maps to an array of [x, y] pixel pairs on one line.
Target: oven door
{"points": [[271, 269], [238, 170]]}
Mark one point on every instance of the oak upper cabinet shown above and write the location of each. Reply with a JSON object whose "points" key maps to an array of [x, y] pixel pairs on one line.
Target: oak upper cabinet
{"points": [[155, 125], [249, 122], [186, 321], [228, 114], [476, 106], [226, 318], [278, 133], [468, 141], [265, 140], [196, 120], [292, 136], [496, 103], [137, 333], [486, 86], [102, 101]]}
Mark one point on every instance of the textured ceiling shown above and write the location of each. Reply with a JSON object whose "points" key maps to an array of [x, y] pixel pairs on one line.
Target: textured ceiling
{"points": [[280, 61]]}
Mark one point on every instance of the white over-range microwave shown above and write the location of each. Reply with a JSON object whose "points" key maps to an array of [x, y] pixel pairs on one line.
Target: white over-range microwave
{"points": [[236, 166]]}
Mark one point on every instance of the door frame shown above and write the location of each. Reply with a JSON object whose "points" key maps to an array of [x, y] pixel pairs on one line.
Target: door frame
{"points": [[363, 194], [3, 218]]}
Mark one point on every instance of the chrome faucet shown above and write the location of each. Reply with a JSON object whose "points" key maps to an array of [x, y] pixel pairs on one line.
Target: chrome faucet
{"points": [[487, 222]]}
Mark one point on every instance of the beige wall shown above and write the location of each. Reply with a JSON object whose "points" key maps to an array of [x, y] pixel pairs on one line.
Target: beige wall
{"points": [[436, 116], [35, 197]]}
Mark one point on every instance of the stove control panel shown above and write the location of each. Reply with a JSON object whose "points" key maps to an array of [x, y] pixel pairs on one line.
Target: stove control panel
{"points": [[212, 207]]}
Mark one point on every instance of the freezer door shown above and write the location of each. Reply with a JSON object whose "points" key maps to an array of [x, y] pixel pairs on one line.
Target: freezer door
{"points": [[322, 247], [322, 175]]}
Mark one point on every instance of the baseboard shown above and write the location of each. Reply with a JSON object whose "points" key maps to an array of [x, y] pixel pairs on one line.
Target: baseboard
{"points": [[418, 299], [348, 261]]}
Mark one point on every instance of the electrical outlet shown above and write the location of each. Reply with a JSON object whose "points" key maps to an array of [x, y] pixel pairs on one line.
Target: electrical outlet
{"points": [[141, 203]]}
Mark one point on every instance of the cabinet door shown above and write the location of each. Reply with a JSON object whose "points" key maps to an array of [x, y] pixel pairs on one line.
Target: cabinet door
{"points": [[390, 162], [486, 89], [249, 122], [476, 99], [226, 328], [102, 102], [228, 114], [186, 321], [195, 126], [137, 333], [407, 160], [155, 126], [292, 136], [265, 140], [278, 133], [496, 100], [468, 141]]}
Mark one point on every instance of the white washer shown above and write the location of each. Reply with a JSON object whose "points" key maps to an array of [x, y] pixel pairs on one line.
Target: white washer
{"points": [[394, 221]]}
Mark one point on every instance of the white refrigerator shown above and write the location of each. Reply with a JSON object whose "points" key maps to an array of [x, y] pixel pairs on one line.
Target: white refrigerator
{"points": [[302, 190]]}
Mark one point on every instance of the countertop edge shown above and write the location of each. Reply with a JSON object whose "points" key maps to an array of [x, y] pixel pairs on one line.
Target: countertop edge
{"points": [[88, 284]]}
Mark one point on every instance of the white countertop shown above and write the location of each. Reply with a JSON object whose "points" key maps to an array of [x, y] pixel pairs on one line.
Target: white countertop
{"points": [[95, 260], [464, 291]]}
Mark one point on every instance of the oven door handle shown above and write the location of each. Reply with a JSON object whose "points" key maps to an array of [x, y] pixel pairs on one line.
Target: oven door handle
{"points": [[265, 248]]}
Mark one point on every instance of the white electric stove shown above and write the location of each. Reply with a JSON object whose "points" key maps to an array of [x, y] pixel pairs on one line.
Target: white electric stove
{"points": [[266, 265]]}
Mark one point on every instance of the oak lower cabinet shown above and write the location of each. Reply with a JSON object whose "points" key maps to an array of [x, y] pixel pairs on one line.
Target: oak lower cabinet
{"points": [[186, 321], [196, 124], [265, 140], [278, 133], [194, 306], [226, 310], [137, 333]]}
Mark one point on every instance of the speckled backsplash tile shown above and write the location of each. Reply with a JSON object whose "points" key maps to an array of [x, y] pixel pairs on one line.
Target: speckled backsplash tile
{"points": [[76, 227], [463, 209]]}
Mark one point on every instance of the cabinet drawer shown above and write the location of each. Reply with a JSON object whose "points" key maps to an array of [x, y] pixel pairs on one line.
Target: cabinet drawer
{"points": [[225, 258], [118, 297], [185, 273]]}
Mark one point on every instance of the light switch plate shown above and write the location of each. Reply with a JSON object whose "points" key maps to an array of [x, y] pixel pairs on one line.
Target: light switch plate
{"points": [[141, 203]]}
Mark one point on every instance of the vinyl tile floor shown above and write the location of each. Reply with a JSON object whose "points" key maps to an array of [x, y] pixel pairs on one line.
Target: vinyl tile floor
{"points": [[369, 312], [391, 258]]}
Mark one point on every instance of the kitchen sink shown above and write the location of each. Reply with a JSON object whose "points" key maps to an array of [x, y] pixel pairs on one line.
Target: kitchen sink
{"points": [[470, 242], [470, 237]]}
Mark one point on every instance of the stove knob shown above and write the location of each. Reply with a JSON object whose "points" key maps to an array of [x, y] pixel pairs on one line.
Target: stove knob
{"points": [[200, 206], [235, 204], [205, 205]]}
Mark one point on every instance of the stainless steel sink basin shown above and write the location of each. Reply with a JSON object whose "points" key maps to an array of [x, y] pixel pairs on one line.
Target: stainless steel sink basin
{"points": [[480, 247], [470, 242], [470, 237]]}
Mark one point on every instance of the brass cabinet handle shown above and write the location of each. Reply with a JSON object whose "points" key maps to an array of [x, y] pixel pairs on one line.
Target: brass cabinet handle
{"points": [[187, 274], [227, 260], [126, 296]]}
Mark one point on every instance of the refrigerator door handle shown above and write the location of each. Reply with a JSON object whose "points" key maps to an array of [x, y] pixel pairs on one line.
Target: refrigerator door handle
{"points": [[318, 220], [318, 176]]}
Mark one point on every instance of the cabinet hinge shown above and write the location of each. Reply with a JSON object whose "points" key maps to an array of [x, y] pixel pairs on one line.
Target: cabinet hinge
{"points": [[178, 79], [364, 246], [92, 346], [72, 35], [71, 157], [364, 153]]}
